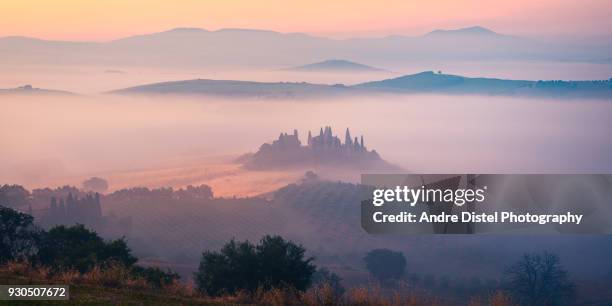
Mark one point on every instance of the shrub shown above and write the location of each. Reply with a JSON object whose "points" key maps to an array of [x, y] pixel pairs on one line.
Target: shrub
{"points": [[273, 263], [76, 247]]}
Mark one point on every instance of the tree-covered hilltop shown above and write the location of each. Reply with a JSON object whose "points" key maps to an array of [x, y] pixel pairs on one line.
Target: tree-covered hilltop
{"points": [[322, 150]]}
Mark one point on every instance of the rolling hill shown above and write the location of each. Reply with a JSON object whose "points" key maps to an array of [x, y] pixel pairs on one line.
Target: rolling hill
{"points": [[335, 65], [436, 82], [229, 88], [430, 82], [424, 82]]}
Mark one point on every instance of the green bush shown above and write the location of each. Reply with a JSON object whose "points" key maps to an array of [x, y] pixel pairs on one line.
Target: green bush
{"points": [[272, 263], [76, 247], [18, 235]]}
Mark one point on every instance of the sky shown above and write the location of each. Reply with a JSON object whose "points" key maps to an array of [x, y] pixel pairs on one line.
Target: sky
{"points": [[94, 20]]}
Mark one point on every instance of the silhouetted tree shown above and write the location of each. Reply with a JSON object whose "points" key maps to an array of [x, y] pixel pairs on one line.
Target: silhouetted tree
{"points": [[14, 196], [233, 268], [273, 262], [385, 264], [96, 184], [18, 235], [539, 279], [76, 247], [202, 192]]}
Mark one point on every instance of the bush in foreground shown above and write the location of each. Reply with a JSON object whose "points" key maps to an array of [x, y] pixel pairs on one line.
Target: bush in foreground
{"points": [[18, 235], [76, 247], [273, 263]]}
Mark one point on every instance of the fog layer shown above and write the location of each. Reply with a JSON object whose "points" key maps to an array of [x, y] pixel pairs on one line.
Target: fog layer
{"points": [[48, 140]]}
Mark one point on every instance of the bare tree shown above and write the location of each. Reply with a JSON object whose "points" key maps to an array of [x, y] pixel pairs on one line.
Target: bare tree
{"points": [[539, 279]]}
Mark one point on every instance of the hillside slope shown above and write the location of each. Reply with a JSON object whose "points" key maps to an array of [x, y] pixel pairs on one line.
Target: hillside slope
{"points": [[431, 82], [230, 88]]}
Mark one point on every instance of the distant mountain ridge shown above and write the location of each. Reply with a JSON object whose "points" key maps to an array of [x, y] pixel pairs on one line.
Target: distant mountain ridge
{"points": [[248, 48], [335, 65], [475, 30], [424, 82]]}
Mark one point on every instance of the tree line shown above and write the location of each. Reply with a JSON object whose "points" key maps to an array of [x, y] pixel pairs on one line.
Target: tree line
{"points": [[535, 279]]}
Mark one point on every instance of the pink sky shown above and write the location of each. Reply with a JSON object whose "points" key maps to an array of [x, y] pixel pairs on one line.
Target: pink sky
{"points": [[110, 19]]}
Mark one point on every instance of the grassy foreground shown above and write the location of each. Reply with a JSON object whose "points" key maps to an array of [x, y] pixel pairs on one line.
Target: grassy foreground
{"points": [[97, 294], [111, 286]]}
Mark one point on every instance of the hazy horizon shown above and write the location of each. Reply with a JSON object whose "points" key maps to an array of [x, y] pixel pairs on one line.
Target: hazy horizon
{"points": [[577, 38], [73, 20]]}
